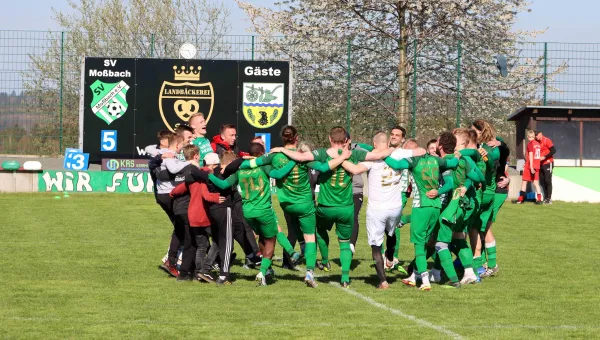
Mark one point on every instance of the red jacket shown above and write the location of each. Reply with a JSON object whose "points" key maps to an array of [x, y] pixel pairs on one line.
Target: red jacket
{"points": [[199, 201], [219, 146]]}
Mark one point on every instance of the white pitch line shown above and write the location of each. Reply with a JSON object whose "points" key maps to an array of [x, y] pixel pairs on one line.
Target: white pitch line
{"points": [[399, 313]]}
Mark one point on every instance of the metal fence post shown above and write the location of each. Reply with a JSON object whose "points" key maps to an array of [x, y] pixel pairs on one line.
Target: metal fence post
{"points": [[414, 101], [152, 45], [545, 70], [62, 60], [458, 67], [348, 104], [252, 48]]}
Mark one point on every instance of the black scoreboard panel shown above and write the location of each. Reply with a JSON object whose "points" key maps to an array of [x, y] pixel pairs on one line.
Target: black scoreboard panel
{"points": [[127, 101]]}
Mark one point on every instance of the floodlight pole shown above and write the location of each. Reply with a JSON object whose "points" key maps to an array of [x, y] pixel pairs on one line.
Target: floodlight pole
{"points": [[459, 50], [348, 103], [62, 61], [414, 100], [545, 70]]}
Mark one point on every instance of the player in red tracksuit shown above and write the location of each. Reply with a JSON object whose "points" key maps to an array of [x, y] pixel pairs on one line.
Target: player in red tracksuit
{"points": [[531, 171]]}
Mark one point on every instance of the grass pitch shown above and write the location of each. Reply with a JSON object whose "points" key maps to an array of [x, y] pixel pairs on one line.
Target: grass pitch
{"points": [[86, 267]]}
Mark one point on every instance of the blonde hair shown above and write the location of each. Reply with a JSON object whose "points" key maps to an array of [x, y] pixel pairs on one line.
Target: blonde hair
{"points": [[305, 147], [530, 133], [190, 151], [488, 133]]}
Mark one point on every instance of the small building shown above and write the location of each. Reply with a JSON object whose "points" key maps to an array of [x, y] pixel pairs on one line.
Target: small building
{"points": [[575, 132]]}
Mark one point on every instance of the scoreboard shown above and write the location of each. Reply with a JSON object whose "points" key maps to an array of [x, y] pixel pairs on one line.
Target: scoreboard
{"points": [[125, 102]]}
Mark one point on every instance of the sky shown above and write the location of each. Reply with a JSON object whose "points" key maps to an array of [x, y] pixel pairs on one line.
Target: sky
{"points": [[566, 21]]}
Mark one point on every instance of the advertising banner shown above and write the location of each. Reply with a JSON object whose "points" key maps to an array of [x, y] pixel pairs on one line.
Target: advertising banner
{"points": [[94, 181]]}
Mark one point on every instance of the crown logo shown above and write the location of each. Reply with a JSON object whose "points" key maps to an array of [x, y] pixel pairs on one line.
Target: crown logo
{"points": [[192, 73]]}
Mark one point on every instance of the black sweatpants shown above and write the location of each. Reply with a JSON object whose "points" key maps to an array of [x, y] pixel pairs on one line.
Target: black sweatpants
{"points": [[546, 180], [177, 237], [194, 250], [358, 200], [225, 228]]}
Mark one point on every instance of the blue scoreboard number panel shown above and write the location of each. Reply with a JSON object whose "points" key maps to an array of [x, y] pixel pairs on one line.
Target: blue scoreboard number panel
{"points": [[108, 140]]}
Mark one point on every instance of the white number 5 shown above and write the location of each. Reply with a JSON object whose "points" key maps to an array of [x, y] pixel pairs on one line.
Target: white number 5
{"points": [[109, 140]]}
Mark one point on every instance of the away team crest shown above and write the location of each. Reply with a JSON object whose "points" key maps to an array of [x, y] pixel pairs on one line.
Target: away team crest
{"points": [[177, 102], [109, 102], [263, 104]]}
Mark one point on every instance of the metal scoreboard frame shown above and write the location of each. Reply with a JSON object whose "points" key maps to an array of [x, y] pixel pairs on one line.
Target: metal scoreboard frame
{"points": [[124, 102]]}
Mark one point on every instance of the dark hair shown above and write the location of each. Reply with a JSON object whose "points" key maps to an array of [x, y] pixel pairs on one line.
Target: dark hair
{"points": [[338, 135], [182, 128], [447, 142], [431, 142], [256, 149], [163, 134], [289, 135], [225, 127], [398, 127]]}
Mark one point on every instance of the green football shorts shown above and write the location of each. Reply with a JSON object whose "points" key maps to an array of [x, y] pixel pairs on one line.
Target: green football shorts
{"points": [[498, 202], [423, 222], [343, 217], [305, 213], [262, 221]]}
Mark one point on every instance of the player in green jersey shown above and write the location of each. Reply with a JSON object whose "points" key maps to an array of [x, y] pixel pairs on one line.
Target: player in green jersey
{"points": [[256, 199], [426, 206], [335, 204], [198, 123], [295, 194], [486, 134], [455, 203]]}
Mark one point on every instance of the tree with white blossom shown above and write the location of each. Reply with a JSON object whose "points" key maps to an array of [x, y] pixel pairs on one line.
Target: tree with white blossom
{"points": [[383, 36]]}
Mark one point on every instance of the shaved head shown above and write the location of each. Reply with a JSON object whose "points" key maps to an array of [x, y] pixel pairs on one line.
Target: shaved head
{"points": [[380, 140], [380, 137], [411, 144]]}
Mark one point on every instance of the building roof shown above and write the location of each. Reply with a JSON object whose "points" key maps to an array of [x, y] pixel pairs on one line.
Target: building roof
{"points": [[526, 109]]}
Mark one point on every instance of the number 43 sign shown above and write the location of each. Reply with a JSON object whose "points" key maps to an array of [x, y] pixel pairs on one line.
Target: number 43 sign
{"points": [[75, 159]]}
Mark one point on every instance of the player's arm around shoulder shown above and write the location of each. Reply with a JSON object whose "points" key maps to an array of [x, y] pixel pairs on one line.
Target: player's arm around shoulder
{"points": [[373, 155], [356, 169], [299, 156]]}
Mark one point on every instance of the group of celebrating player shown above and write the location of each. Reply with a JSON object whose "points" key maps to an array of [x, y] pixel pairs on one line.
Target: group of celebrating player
{"points": [[457, 189]]}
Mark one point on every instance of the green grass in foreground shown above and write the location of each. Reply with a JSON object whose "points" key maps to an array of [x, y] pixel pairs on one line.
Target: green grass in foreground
{"points": [[86, 267]]}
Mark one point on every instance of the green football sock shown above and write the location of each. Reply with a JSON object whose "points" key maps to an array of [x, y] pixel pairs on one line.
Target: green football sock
{"points": [[464, 252], [491, 254], [285, 243], [483, 256], [310, 254], [446, 262], [430, 253], [346, 260], [421, 258], [477, 262], [397, 249], [264, 265], [323, 242]]}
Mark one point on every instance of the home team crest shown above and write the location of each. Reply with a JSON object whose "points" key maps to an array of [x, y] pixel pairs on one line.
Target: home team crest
{"points": [[178, 101], [263, 104], [109, 102]]}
